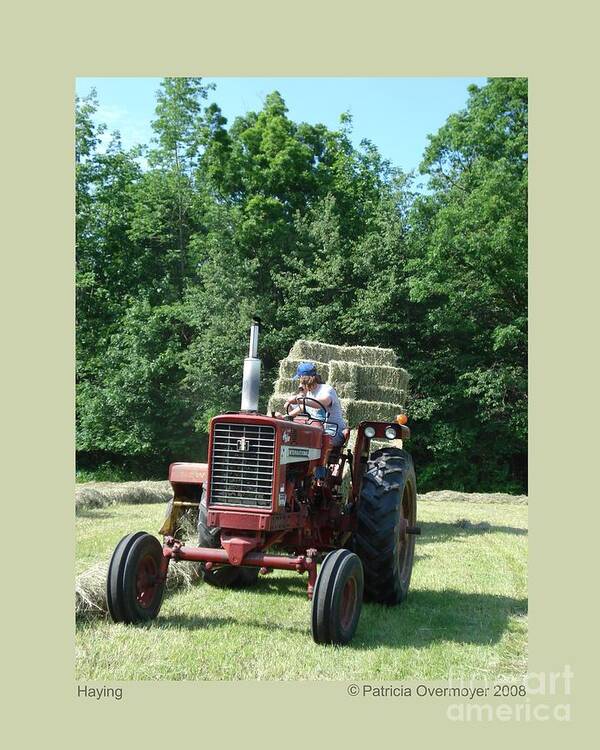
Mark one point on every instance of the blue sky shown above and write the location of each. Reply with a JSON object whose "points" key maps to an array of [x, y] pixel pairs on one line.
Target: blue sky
{"points": [[396, 114]]}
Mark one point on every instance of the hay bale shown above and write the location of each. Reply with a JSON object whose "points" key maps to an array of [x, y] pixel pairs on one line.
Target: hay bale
{"points": [[276, 403], [343, 381], [365, 377], [340, 371], [354, 410], [357, 411], [384, 376], [343, 376], [101, 494], [345, 390], [382, 393], [90, 586], [352, 381], [289, 365], [364, 355], [285, 385]]}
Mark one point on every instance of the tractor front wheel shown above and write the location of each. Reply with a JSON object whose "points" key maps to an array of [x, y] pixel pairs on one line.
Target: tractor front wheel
{"points": [[337, 599], [387, 508], [134, 591]]}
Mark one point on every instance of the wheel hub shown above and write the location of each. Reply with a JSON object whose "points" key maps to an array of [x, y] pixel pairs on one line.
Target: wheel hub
{"points": [[147, 577], [348, 603]]}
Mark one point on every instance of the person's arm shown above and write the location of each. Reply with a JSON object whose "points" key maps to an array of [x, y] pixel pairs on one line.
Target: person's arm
{"points": [[291, 400], [327, 400], [290, 414], [294, 399]]}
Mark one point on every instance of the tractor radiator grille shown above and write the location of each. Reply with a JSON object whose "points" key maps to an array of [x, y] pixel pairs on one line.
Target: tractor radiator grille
{"points": [[242, 465]]}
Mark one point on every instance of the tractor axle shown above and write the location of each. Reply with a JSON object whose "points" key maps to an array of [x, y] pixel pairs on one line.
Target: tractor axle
{"points": [[301, 563]]}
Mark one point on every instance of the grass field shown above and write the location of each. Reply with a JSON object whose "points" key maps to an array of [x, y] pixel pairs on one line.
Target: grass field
{"points": [[466, 615]]}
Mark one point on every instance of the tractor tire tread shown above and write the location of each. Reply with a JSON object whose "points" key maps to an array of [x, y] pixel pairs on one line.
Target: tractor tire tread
{"points": [[376, 538], [114, 581]]}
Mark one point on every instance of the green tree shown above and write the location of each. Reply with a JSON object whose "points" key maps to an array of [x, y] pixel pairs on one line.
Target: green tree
{"points": [[277, 242], [167, 211], [469, 278], [132, 271], [106, 268], [137, 405], [179, 244]]}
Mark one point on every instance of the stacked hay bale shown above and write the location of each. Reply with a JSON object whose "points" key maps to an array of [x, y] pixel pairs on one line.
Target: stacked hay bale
{"points": [[366, 378]]}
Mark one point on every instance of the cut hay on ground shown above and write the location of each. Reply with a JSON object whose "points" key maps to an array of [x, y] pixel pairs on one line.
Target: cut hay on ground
{"points": [[102, 494], [450, 496], [90, 586]]}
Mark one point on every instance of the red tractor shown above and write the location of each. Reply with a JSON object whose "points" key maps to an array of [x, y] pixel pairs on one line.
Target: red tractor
{"points": [[276, 483]]}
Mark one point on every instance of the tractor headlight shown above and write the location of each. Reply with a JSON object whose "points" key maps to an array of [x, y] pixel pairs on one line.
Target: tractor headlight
{"points": [[390, 433], [369, 432]]}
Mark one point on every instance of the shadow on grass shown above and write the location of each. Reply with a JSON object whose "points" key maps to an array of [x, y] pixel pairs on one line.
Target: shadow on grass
{"points": [[421, 556], [190, 622], [427, 617], [281, 585], [434, 532]]}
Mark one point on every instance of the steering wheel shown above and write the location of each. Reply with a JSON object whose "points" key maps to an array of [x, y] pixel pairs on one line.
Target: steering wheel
{"points": [[304, 413]]}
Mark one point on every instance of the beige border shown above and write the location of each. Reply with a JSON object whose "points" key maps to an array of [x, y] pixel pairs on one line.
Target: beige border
{"points": [[46, 46]]}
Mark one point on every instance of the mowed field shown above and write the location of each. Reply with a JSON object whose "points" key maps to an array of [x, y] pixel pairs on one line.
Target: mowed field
{"points": [[466, 615]]}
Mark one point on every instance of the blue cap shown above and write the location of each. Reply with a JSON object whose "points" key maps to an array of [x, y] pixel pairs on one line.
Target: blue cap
{"points": [[305, 368]]}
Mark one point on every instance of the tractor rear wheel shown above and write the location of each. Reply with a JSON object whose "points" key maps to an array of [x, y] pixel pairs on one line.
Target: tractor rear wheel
{"points": [[134, 590], [387, 507], [223, 576], [337, 599]]}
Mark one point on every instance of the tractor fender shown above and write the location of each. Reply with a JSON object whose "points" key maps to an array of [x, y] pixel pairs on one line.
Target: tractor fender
{"points": [[187, 473]]}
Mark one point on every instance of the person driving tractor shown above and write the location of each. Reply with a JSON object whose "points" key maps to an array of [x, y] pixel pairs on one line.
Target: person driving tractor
{"points": [[312, 386]]}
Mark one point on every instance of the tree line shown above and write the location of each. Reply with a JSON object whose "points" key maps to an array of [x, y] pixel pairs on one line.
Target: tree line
{"points": [[180, 242]]}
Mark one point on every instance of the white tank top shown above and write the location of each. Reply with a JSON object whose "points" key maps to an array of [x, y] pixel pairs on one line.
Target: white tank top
{"points": [[321, 392]]}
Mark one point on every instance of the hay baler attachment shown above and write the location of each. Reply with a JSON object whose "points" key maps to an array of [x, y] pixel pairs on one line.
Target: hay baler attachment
{"points": [[187, 481]]}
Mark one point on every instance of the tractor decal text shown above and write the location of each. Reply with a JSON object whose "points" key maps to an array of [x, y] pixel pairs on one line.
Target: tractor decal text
{"points": [[291, 454]]}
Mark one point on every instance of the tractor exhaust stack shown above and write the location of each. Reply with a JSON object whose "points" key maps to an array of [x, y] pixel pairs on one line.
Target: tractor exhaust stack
{"points": [[251, 378]]}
